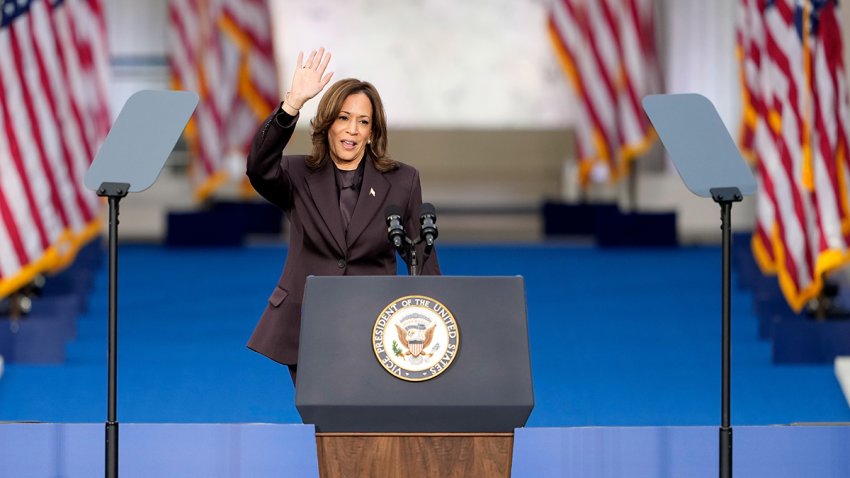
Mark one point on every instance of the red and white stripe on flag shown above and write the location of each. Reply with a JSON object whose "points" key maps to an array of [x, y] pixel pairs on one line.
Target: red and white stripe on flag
{"points": [[53, 117], [795, 129], [607, 49], [222, 50]]}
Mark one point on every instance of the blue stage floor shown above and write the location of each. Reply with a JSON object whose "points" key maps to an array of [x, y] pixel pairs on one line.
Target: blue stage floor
{"points": [[622, 339]]}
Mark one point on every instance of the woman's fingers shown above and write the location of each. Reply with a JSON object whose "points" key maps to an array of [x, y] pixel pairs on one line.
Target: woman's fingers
{"points": [[324, 60], [310, 58], [326, 79]]}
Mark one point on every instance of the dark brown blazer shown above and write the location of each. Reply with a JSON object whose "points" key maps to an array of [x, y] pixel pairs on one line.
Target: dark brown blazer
{"points": [[318, 244]]}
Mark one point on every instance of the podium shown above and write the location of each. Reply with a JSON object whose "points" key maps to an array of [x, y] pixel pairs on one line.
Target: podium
{"points": [[405, 375]]}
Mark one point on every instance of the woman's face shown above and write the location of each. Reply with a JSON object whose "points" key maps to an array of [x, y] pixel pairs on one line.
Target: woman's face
{"points": [[350, 132]]}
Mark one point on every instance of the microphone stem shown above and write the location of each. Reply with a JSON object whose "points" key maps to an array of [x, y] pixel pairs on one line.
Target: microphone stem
{"points": [[414, 265]]}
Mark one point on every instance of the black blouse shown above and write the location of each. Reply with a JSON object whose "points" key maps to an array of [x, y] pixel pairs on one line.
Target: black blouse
{"points": [[348, 189]]}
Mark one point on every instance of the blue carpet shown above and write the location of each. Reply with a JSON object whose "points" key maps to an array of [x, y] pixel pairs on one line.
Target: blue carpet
{"points": [[618, 337]]}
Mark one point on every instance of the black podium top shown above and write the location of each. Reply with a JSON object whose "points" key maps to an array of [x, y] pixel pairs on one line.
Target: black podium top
{"points": [[343, 386]]}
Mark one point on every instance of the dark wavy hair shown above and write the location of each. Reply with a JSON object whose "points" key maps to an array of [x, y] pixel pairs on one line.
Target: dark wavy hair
{"points": [[329, 108]]}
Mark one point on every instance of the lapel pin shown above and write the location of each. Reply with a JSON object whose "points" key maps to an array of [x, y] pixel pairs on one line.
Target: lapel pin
{"points": [[371, 192]]}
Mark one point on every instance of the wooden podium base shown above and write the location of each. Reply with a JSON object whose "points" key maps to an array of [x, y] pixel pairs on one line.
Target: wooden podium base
{"points": [[411, 455]]}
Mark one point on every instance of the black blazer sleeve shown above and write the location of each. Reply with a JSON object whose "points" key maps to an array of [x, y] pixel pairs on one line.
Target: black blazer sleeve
{"points": [[268, 169]]}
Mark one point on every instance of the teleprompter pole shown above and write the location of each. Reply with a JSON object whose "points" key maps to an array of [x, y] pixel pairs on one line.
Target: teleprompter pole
{"points": [[113, 192], [725, 197], [131, 156]]}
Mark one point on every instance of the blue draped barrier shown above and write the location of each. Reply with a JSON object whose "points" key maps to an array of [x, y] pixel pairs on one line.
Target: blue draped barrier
{"points": [[266, 450]]}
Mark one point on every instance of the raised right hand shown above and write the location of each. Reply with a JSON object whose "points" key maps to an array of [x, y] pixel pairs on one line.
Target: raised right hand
{"points": [[309, 78]]}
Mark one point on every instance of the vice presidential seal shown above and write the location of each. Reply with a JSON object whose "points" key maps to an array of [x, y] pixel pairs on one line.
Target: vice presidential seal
{"points": [[415, 338]]}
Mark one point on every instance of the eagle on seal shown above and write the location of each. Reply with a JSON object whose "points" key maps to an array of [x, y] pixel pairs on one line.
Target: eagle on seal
{"points": [[415, 340]]}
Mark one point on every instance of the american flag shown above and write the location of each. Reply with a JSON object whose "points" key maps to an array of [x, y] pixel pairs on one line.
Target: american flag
{"points": [[222, 50], [53, 117], [795, 128], [607, 50]]}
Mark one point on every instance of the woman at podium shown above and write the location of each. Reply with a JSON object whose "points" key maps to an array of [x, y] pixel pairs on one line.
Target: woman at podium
{"points": [[336, 197]]}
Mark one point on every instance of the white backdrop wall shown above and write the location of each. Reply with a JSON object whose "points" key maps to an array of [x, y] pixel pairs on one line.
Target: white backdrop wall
{"points": [[137, 34], [444, 63], [698, 40], [437, 63]]}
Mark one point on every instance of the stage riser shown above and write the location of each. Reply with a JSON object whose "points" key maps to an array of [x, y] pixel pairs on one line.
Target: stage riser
{"points": [[772, 313], [40, 336], [249, 450], [795, 337], [36, 339], [810, 341], [609, 226], [225, 224], [609, 452]]}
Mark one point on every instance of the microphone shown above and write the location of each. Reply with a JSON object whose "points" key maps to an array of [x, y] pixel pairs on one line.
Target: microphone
{"points": [[395, 230], [428, 219]]}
